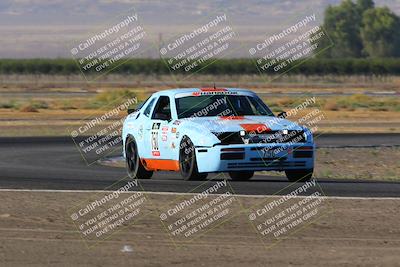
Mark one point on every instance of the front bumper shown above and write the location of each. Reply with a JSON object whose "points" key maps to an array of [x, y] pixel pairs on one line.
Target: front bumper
{"points": [[253, 157]]}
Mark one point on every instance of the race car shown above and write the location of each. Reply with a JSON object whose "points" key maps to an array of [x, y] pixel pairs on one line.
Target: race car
{"points": [[196, 131]]}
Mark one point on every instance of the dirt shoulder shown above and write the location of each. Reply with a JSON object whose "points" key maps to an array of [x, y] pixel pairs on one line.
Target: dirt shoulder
{"points": [[37, 231]]}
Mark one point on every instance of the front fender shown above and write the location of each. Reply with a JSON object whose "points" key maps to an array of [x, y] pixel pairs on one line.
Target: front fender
{"points": [[128, 128], [200, 136]]}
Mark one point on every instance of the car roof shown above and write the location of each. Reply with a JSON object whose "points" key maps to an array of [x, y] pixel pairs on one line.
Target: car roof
{"points": [[173, 92]]}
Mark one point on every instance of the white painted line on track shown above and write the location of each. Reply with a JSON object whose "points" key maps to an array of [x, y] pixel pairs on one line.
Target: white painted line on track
{"points": [[186, 194]]}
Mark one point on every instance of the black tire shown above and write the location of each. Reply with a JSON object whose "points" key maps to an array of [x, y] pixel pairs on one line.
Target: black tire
{"points": [[134, 166], [188, 162], [299, 175], [241, 175]]}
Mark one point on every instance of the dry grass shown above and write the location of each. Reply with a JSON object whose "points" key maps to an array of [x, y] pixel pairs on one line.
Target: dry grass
{"points": [[331, 105], [58, 121], [28, 108], [65, 100]]}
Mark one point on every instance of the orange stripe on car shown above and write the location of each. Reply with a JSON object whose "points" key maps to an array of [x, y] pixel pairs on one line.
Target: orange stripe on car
{"points": [[160, 164], [255, 127]]}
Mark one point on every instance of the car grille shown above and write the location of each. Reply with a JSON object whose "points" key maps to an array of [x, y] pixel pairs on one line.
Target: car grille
{"points": [[229, 138], [278, 137], [302, 154], [272, 137]]}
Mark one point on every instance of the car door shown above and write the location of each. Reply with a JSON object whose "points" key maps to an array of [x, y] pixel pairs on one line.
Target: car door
{"points": [[144, 130], [160, 128]]}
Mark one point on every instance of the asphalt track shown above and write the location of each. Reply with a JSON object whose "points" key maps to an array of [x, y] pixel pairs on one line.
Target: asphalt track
{"points": [[54, 163]]}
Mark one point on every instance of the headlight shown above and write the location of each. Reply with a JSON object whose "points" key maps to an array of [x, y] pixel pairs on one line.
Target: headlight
{"points": [[308, 136]]}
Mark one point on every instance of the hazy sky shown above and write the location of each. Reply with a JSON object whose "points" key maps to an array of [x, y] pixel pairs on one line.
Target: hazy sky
{"points": [[48, 28]]}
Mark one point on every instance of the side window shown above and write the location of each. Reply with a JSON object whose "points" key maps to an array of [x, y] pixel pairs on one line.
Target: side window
{"points": [[162, 111], [148, 108]]}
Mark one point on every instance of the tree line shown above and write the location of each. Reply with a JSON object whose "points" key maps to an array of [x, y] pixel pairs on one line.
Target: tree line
{"points": [[366, 41], [314, 66], [362, 30]]}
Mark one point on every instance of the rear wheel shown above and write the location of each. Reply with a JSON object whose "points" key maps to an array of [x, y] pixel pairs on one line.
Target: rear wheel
{"points": [[134, 166], [241, 176], [187, 161], [299, 175]]}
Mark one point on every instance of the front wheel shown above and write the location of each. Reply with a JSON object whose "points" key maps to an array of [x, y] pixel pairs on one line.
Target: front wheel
{"points": [[299, 175], [241, 176], [134, 166], [187, 161]]}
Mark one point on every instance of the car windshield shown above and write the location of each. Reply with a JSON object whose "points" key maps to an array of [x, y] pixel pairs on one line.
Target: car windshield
{"points": [[221, 105]]}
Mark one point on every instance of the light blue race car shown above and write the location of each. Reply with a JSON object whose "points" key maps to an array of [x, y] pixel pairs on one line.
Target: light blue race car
{"points": [[197, 131]]}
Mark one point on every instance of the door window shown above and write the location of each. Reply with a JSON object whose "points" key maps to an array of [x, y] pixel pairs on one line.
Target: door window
{"points": [[162, 111]]}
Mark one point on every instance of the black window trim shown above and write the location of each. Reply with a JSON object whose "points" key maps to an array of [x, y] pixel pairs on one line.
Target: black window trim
{"points": [[151, 103]]}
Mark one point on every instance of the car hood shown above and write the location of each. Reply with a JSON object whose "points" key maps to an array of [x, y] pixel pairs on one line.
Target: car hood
{"points": [[238, 123]]}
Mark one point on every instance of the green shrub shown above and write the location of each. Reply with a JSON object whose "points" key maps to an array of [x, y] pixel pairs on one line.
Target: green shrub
{"points": [[12, 104]]}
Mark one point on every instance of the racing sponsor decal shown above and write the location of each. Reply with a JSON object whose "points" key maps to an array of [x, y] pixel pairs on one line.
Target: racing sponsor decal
{"points": [[164, 133], [213, 89], [214, 92], [177, 122], [156, 126], [154, 139], [200, 93], [232, 117], [173, 130], [140, 131]]}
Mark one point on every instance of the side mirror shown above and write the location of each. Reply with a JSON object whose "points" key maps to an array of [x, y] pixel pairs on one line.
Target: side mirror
{"points": [[282, 115], [131, 110]]}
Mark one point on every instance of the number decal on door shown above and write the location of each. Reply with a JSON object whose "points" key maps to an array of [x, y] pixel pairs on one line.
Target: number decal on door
{"points": [[155, 150]]}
